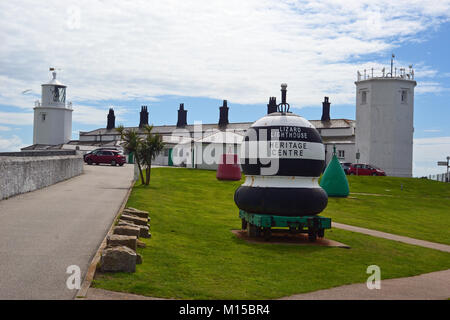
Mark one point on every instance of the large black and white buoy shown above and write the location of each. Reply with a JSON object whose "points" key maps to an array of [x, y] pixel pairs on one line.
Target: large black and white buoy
{"points": [[282, 160]]}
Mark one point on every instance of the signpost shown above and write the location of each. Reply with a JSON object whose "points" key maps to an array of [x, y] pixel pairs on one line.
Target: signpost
{"points": [[357, 161], [445, 163]]}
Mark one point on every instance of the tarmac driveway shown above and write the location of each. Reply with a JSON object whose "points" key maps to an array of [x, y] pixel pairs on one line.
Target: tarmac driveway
{"points": [[45, 231]]}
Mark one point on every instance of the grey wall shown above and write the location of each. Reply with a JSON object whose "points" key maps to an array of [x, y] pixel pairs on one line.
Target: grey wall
{"points": [[39, 153], [24, 174]]}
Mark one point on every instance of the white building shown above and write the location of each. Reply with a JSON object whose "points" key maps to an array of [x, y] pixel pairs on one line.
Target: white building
{"points": [[382, 133], [52, 116], [186, 144], [384, 121]]}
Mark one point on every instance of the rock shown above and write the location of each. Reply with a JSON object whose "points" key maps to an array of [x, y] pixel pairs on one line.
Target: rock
{"points": [[117, 240], [134, 219], [138, 258], [136, 212], [140, 244], [121, 222], [127, 230], [118, 259], [143, 230]]}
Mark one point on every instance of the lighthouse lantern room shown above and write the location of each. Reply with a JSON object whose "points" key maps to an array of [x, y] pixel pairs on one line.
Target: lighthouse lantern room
{"points": [[52, 116]]}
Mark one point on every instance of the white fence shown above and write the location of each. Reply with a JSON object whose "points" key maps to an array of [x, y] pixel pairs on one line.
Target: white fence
{"points": [[443, 177]]}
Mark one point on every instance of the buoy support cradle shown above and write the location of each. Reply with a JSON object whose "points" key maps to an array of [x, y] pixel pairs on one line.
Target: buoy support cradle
{"points": [[269, 221]]}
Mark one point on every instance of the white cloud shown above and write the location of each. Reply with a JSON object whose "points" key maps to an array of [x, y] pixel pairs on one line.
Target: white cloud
{"points": [[432, 130], [429, 87], [17, 118], [13, 143], [95, 116], [3, 128], [235, 50], [427, 152]]}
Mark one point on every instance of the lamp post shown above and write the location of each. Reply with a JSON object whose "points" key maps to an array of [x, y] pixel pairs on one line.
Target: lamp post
{"points": [[447, 164], [357, 161]]}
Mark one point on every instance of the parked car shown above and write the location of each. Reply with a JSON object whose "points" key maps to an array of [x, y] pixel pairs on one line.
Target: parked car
{"points": [[346, 166], [112, 157], [98, 149], [362, 169]]}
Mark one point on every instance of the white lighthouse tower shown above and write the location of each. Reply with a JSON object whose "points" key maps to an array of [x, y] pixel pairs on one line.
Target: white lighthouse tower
{"points": [[384, 120], [52, 116]]}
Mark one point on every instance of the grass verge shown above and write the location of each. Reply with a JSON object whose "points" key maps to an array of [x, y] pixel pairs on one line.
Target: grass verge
{"points": [[193, 254], [416, 208]]}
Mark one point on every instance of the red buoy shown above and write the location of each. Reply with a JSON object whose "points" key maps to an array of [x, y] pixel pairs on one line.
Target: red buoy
{"points": [[229, 168]]}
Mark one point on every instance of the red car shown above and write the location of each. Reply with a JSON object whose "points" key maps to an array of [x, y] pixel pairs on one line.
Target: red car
{"points": [[365, 170], [112, 157]]}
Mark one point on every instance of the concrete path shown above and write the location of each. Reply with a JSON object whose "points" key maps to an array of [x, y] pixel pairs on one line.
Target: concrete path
{"points": [[45, 231], [429, 286], [390, 236]]}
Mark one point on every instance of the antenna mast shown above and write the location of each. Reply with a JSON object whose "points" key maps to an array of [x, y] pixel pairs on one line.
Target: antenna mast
{"points": [[392, 63]]}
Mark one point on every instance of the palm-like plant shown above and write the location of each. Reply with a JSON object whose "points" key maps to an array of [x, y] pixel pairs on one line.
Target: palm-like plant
{"points": [[131, 144], [144, 149], [150, 146]]}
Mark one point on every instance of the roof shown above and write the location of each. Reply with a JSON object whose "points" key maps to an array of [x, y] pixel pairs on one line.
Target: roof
{"points": [[93, 143], [339, 140], [71, 145], [176, 139], [54, 81], [237, 127], [333, 123], [41, 147], [222, 137]]}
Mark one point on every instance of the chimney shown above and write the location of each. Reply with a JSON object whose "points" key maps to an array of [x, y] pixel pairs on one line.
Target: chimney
{"points": [[272, 106], [223, 118], [325, 110], [182, 114], [144, 117], [111, 120]]}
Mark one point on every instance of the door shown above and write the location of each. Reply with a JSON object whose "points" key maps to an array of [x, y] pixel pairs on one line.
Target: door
{"points": [[170, 162], [106, 157], [130, 157], [365, 170]]}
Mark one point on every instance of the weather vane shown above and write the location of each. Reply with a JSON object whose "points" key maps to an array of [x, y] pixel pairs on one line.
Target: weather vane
{"points": [[283, 107]]}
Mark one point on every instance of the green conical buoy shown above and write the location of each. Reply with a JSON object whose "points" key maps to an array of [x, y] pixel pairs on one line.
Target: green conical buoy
{"points": [[334, 181]]}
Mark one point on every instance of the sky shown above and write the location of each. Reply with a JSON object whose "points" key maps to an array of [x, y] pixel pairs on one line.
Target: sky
{"points": [[124, 54]]}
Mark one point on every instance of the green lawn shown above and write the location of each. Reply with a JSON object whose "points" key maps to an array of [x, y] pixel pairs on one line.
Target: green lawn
{"points": [[193, 254], [421, 210]]}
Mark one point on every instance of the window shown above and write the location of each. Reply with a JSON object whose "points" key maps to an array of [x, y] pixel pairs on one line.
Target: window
{"points": [[363, 97], [404, 96], [43, 116], [59, 94], [341, 153]]}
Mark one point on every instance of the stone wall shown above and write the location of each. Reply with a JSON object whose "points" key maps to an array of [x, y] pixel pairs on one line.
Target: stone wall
{"points": [[28, 173], [38, 153]]}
